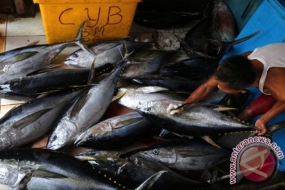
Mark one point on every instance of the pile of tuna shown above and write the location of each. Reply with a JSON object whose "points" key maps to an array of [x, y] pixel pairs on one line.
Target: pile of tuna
{"points": [[70, 102]]}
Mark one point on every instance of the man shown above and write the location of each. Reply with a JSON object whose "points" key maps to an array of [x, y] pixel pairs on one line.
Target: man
{"points": [[264, 68]]}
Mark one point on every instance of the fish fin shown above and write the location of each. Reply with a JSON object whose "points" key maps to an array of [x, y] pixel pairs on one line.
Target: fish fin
{"points": [[276, 127], [34, 43], [45, 69], [245, 38], [25, 55], [79, 39], [47, 174], [91, 77], [152, 89], [85, 158], [210, 141], [189, 51], [18, 57], [119, 94], [150, 181], [80, 102], [224, 108], [24, 181], [221, 43], [30, 119]]}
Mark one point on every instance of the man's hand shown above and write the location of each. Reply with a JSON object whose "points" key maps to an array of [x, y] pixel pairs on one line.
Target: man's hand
{"points": [[261, 125], [172, 109]]}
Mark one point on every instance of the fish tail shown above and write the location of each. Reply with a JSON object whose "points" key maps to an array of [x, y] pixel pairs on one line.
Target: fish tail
{"points": [[79, 39], [275, 127]]}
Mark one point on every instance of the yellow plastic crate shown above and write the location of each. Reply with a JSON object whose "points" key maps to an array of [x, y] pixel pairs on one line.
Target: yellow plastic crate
{"points": [[106, 19]]}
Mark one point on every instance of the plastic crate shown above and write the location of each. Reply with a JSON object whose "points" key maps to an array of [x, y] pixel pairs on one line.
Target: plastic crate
{"points": [[107, 19]]}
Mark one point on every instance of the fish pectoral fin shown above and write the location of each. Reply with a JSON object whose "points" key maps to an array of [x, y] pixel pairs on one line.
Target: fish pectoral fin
{"points": [[224, 108], [47, 174], [45, 69], [24, 181], [245, 38], [210, 141], [91, 77], [152, 89], [80, 102], [18, 57], [20, 124], [119, 94], [34, 43], [150, 181]]}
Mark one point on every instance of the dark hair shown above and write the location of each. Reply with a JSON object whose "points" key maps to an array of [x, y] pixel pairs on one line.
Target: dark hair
{"points": [[236, 70]]}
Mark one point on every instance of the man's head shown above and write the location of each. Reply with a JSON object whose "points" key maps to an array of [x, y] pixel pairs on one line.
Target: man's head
{"points": [[235, 74]]}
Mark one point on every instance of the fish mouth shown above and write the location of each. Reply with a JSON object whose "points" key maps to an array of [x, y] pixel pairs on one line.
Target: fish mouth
{"points": [[53, 146]]}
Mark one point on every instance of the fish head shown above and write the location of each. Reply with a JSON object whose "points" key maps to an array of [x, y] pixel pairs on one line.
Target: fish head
{"points": [[10, 173], [62, 135], [89, 136], [163, 155], [156, 107]]}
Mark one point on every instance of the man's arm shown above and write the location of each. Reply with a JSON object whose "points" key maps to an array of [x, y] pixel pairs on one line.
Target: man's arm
{"points": [[202, 91], [277, 108]]}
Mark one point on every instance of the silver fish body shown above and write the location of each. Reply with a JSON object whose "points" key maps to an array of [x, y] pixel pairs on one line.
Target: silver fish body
{"points": [[146, 62], [31, 120], [195, 120], [55, 79], [105, 52], [85, 112], [136, 170], [138, 95], [173, 83], [116, 132], [185, 154]]}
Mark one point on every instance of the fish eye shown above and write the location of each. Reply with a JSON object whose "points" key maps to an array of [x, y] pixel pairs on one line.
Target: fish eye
{"points": [[144, 152], [155, 151], [90, 138]]}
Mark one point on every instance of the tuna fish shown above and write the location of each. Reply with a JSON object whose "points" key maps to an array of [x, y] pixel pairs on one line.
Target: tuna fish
{"points": [[86, 111], [55, 79], [215, 34], [139, 95], [136, 169], [173, 83], [104, 52], [196, 119], [33, 119], [183, 154], [146, 62], [194, 68], [116, 132], [19, 62], [46, 169]]}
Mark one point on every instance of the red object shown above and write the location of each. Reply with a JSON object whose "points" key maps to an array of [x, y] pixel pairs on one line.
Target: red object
{"points": [[261, 104]]}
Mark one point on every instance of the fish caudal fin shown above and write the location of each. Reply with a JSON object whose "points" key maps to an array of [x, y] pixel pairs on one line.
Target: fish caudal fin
{"points": [[79, 40]]}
